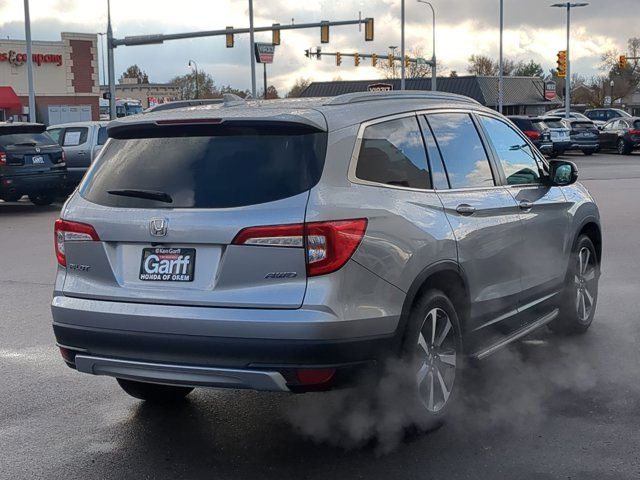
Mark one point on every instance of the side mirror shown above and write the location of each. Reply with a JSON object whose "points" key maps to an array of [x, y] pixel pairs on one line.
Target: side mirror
{"points": [[562, 172]]}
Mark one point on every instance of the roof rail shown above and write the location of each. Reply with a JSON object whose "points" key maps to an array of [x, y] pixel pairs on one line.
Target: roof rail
{"points": [[357, 97]]}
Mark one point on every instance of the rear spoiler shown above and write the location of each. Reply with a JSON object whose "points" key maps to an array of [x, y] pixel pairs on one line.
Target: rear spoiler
{"points": [[197, 127]]}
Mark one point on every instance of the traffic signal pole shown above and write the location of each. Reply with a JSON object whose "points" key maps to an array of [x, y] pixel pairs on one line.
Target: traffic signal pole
{"points": [[567, 82]]}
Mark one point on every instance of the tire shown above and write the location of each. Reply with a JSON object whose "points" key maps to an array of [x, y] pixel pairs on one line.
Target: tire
{"points": [[588, 152], [435, 356], [154, 393], [622, 147], [11, 197], [580, 296], [42, 199]]}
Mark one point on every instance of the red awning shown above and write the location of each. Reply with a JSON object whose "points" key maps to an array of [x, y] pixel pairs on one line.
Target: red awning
{"points": [[9, 99]]}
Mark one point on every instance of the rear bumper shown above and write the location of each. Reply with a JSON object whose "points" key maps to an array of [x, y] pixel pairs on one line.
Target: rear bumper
{"points": [[231, 345], [584, 144], [560, 147], [27, 183]]}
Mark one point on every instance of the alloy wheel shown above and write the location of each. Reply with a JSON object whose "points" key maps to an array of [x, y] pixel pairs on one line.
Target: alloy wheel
{"points": [[437, 360], [584, 279]]}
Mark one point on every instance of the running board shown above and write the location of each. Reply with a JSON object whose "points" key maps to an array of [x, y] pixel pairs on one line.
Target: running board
{"points": [[515, 335]]}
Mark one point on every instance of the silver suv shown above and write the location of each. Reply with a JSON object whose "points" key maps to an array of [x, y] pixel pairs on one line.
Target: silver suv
{"points": [[294, 245]]}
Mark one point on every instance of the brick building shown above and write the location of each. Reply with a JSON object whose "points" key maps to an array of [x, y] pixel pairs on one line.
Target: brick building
{"points": [[65, 75]]}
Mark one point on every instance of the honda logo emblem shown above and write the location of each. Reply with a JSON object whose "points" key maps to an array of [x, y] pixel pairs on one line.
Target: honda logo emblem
{"points": [[37, 149], [158, 227]]}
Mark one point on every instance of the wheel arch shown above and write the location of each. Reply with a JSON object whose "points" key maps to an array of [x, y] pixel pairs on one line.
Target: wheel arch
{"points": [[447, 276], [591, 229]]}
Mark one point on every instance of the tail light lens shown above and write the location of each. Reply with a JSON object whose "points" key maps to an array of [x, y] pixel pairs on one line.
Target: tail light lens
{"points": [[532, 134], [631, 132], [328, 245], [63, 158], [3, 158], [66, 231]]}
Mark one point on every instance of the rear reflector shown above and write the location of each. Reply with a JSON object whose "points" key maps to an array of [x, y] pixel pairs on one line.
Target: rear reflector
{"points": [[66, 231], [329, 245], [314, 376]]}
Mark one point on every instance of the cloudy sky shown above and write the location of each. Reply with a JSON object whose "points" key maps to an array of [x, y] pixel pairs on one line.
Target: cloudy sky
{"points": [[533, 30]]}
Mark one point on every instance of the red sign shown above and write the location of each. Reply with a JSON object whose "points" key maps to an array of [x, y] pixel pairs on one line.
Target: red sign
{"points": [[264, 52], [380, 87], [550, 90], [17, 59]]}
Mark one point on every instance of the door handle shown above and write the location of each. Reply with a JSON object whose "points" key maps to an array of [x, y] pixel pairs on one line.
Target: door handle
{"points": [[465, 209], [82, 152], [525, 205]]}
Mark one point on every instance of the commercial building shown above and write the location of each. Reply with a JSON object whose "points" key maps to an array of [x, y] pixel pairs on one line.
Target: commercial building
{"points": [[149, 94], [522, 95], [65, 75]]}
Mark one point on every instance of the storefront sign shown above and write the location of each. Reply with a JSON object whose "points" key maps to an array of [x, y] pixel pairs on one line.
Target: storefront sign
{"points": [[264, 52], [16, 59], [550, 90], [380, 87]]}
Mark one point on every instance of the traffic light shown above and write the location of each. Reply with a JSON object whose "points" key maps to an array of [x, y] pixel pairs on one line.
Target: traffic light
{"points": [[368, 29], [324, 32], [622, 62], [390, 59], [275, 34], [356, 59], [374, 59], [407, 61], [229, 38], [338, 59], [562, 63]]}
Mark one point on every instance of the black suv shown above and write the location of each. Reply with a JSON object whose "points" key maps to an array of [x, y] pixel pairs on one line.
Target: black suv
{"points": [[31, 163], [535, 129]]}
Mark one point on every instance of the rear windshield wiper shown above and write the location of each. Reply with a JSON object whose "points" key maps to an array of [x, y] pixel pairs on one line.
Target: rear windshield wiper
{"points": [[25, 144], [147, 194]]}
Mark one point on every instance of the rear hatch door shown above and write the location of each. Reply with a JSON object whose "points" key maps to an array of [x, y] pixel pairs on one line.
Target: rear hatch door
{"points": [[208, 181], [28, 149]]}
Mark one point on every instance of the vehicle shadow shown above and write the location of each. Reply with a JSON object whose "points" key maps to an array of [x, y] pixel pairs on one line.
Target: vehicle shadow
{"points": [[26, 208]]}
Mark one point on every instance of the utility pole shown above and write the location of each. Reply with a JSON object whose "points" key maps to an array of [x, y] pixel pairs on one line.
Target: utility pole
{"points": [[264, 65], [111, 66], [402, 52], [500, 66], [433, 47], [32, 94], [251, 47]]}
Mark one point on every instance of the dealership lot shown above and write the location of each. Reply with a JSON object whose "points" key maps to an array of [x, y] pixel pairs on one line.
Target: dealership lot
{"points": [[547, 408]]}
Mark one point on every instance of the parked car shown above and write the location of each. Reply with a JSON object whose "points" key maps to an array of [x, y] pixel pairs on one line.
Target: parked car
{"points": [[623, 134], [81, 141], [535, 131], [291, 245], [31, 163], [559, 112], [584, 135], [600, 116], [560, 135]]}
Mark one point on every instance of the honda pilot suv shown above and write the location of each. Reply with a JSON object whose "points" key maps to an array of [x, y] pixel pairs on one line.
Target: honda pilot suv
{"points": [[297, 245]]}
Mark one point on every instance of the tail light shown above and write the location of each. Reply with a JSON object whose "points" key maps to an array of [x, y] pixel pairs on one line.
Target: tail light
{"points": [[631, 132], [328, 245], [63, 158], [3, 158], [66, 231], [532, 134]]}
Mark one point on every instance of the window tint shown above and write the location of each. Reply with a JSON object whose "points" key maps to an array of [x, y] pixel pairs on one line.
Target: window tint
{"points": [[243, 167], [75, 136], [554, 123], [26, 139], [102, 135], [393, 153], [464, 156], [55, 134], [438, 173], [513, 152]]}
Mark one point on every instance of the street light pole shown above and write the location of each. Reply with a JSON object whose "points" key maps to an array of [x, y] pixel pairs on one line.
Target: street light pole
{"points": [[195, 65], [433, 47], [567, 83], [32, 94], [111, 66], [402, 50], [251, 47], [500, 67]]}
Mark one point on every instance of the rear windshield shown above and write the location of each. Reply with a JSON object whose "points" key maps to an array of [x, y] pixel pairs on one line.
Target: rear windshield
{"points": [[207, 171], [522, 123], [26, 139], [636, 124], [583, 126], [554, 124]]}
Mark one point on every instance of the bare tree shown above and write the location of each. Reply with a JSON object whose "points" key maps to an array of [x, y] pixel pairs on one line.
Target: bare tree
{"points": [[414, 70], [134, 71], [272, 93], [482, 65], [298, 87]]}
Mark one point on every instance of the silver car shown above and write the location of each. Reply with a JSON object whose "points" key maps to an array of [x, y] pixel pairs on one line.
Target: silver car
{"points": [[296, 245]]}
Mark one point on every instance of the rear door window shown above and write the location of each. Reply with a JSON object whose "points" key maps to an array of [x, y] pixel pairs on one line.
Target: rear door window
{"points": [[513, 152], [392, 153], [75, 136], [215, 169], [462, 151], [102, 135]]}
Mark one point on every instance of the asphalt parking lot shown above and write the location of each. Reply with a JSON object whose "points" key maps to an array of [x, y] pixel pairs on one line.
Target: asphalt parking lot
{"points": [[548, 408]]}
